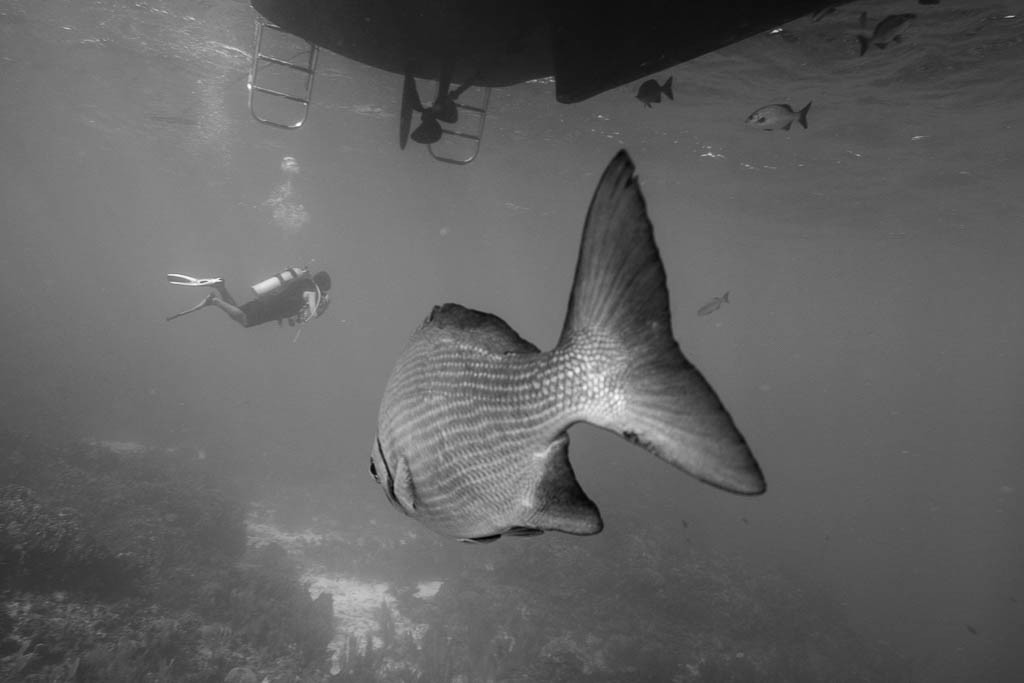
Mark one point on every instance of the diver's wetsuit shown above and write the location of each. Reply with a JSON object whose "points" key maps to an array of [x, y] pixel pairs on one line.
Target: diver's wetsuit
{"points": [[285, 303]]}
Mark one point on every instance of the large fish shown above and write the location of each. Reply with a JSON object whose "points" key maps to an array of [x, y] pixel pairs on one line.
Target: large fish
{"points": [[471, 434]]}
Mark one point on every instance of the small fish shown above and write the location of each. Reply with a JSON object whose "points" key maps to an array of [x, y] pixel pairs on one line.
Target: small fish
{"points": [[888, 30], [650, 92], [472, 430], [973, 630], [713, 305], [776, 116]]}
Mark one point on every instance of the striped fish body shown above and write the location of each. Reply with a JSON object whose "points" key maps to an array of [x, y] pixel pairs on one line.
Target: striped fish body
{"points": [[472, 437], [474, 419]]}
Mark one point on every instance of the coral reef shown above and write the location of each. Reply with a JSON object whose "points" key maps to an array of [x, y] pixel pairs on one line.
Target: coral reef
{"points": [[131, 565], [135, 564]]}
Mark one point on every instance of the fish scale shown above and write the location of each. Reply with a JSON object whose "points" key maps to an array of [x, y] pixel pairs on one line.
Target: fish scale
{"points": [[472, 430], [494, 409]]}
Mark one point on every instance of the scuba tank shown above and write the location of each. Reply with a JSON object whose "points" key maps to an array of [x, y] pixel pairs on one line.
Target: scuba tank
{"points": [[275, 282]]}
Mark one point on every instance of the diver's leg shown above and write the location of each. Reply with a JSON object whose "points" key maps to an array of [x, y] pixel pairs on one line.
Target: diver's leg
{"points": [[225, 295], [444, 84], [237, 314]]}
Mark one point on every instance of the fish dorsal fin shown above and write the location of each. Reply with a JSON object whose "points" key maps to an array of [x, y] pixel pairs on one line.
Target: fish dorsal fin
{"points": [[485, 329], [560, 503]]}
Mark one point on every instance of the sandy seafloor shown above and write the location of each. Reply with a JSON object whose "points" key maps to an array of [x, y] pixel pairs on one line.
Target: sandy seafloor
{"points": [[357, 603]]}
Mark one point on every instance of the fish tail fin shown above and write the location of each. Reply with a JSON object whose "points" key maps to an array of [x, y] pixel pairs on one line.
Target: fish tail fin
{"points": [[803, 114], [865, 42], [725, 297], [618, 319], [667, 89]]}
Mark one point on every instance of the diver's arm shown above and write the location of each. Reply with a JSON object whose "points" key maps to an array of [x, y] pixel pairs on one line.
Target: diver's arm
{"points": [[311, 303]]}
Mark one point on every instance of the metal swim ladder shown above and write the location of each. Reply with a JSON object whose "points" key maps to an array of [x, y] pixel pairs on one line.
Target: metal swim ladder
{"points": [[449, 150], [261, 61]]}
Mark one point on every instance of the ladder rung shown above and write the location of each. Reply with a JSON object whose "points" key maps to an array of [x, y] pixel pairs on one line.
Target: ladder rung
{"points": [[461, 135], [275, 60], [285, 95], [260, 59]]}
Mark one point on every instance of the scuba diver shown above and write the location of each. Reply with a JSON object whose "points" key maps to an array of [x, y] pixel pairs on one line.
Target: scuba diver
{"points": [[293, 295]]}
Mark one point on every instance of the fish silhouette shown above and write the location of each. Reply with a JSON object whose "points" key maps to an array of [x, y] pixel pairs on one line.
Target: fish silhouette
{"points": [[650, 92], [888, 30], [713, 305], [471, 432]]}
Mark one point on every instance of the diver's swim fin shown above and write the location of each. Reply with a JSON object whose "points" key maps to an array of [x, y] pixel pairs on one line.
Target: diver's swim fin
{"points": [[202, 304], [189, 281]]}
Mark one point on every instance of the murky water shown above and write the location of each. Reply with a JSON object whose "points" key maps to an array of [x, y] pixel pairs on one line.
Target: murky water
{"points": [[869, 350]]}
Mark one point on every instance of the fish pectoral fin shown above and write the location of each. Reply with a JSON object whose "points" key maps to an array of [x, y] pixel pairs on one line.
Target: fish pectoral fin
{"points": [[481, 540], [403, 487], [559, 502]]}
